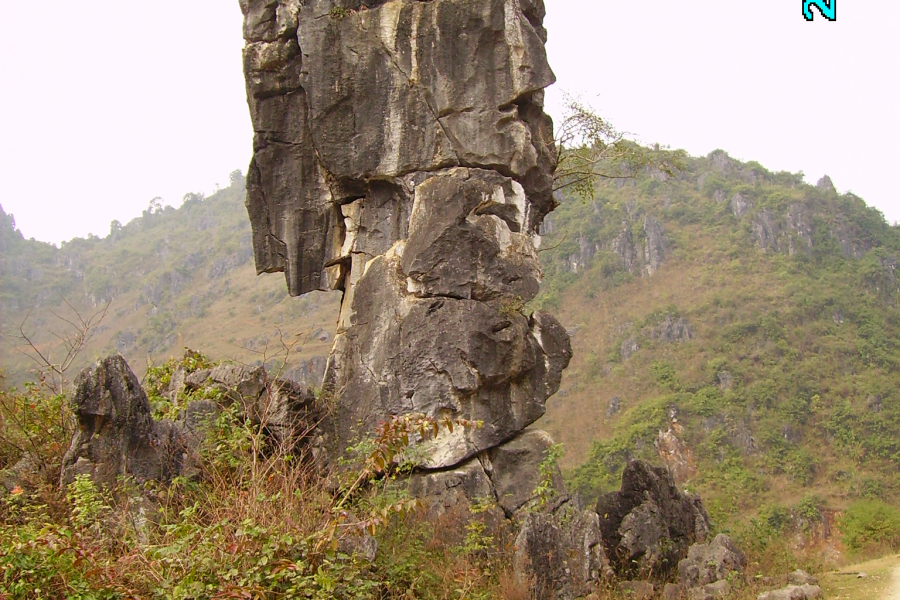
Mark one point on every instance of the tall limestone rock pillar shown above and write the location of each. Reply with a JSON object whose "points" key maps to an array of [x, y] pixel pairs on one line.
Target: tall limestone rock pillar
{"points": [[402, 155]]}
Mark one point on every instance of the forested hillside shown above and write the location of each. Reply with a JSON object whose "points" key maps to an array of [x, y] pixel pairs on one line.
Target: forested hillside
{"points": [[737, 324], [171, 278]]}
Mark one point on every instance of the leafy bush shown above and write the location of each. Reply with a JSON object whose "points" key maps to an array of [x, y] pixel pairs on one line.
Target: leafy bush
{"points": [[252, 525], [870, 524], [34, 423]]}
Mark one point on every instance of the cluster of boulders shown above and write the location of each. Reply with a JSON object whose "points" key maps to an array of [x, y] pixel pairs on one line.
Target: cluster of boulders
{"points": [[116, 435], [802, 586]]}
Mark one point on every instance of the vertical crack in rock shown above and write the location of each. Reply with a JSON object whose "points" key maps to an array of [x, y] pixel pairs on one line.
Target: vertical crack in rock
{"points": [[402, 155]]}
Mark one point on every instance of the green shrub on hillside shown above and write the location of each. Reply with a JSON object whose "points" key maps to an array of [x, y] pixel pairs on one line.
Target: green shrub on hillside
{"points": [[870, 524]]}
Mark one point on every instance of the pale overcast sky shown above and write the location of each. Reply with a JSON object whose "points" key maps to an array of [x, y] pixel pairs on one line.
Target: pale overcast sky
{"points": [[103, 109]]}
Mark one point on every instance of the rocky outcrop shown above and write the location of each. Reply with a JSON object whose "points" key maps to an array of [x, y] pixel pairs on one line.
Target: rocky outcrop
{"points": [[709, 563], [825, 184], [117, 436], [655, 246], [286, 410], [799, 229], [766, 230], [579, 260], [346, 101], [629, 347], [560, 552], [740, 205], [402, 155], [801, 577], [648, 526], [672, 328], [623, 245]]}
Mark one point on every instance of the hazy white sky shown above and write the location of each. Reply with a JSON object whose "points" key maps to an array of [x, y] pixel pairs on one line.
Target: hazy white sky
{"points": [[103, 109]]}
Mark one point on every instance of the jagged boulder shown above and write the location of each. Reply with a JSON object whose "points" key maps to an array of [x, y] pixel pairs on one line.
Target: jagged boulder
{"points": [[801, 577], [560, 552], [462, 487], [453, 286], [402, 155], [709, 563], [794, 592], [286, 409], [648, 525], [25, 474], [116, 434], [825, 184]]}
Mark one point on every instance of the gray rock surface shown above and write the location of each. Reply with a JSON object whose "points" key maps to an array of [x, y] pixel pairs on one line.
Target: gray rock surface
{"points": [[656, 245], [25, 474], [560, 552], [516, 470], [402, 155], [799, 227], [794, 592], [116, 435], [629, 347], [766, 230], [710, 591], [460, 487], [344, 103], [648, 526], [284, 408], [708, 563], [623, 245], [672, 329], [740, 205], [825, 184], [801, 577], [672, 591]]}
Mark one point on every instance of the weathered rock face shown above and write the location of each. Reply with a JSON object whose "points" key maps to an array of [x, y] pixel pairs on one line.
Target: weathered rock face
{"points": [[561, 552], [347, 100], [116, 433], [118, 437], [402, 155], [649, 524], [285, 409], [708, 563]]}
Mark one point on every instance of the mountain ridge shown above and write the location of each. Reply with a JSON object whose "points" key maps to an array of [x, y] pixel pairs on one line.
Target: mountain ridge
{"points": [[735, 324]]}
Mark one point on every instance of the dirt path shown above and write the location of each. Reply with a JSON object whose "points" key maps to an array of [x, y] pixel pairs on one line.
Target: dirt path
{"points": [[882, 581], [893, 592]]}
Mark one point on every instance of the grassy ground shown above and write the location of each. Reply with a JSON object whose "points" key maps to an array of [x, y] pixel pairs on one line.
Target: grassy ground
{"points": [[879, 583]]}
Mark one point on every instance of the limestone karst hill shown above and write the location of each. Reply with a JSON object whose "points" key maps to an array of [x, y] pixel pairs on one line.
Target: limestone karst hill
{"points": [[736, 324], [172, 277], [739, 324]]}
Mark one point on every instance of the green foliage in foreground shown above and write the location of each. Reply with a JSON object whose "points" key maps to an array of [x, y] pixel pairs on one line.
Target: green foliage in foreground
{"points": [[257, 523]]}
